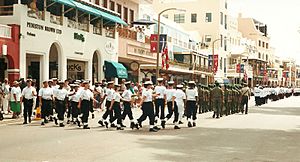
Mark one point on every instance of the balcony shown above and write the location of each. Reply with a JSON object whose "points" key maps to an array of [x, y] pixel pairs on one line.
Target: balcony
{"points": [[131, 34], [5, 31]]}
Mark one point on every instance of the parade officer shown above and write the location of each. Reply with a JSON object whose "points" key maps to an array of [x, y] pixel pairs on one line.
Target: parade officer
{"points": [[28, 94], [245, 97], [217, 99]]}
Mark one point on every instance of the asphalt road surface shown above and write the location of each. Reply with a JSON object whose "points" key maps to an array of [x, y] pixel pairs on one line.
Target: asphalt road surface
{"points": [[267, 133]]}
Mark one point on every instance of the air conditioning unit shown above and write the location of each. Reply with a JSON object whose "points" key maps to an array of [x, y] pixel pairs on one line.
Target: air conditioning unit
{"points": [[4, 49]]}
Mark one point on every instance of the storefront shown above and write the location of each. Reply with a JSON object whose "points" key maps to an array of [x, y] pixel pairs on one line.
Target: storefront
{"points": [[49, 49]]}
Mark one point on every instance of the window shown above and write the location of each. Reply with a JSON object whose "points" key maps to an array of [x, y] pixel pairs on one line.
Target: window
{"points": [[259, 55], [267, 57], [193, 18], [125, 11], [225, 19], [221, 40], [226, 4], [166, 16], [131, 13], [119, 9], [221, 63], [179, 18], [97, 2], [225, 45], [259, 43], [267, 45], [263, 44], [112, 5], [208, 17], [225, 65], [208, 38], [104, 3], [221, 18]]}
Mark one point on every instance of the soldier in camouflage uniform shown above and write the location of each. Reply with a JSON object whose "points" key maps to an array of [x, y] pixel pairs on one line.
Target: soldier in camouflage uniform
{"points": [[200, 99], [210, 103], [217, 95], [226, 97], [229, 100], [234, 100], [206, 98]]}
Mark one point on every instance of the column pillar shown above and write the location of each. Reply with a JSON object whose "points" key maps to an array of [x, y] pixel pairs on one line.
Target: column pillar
{"points": [[45, 67], [89, 73], [63, 68]]}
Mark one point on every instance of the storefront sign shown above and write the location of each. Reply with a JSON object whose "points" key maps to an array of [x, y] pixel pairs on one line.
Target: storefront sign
{"points": [[45, 28], [139, 51], [110, 47], [79, 37], [74, 66]]}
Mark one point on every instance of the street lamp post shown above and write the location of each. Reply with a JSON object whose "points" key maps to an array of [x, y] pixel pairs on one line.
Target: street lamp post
{"points": [[158, 40]]}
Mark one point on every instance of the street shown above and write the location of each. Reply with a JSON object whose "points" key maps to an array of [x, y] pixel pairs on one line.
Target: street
{"points": [[267, 133]]}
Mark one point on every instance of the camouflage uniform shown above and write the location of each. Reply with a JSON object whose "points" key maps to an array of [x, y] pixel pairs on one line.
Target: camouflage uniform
{"points": [[217, 98], [200, 100]]}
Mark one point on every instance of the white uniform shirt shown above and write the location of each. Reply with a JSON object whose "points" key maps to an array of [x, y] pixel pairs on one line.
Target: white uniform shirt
{"points": [[61, 94], [170, 93], [148, 94], [161, 90], [109, 94], [191, 94], [75, 97], [179, 96], [46, 93], [127, 95], [85, 94], [29, 92], [16, 91], [5, 88], [116, 97]]}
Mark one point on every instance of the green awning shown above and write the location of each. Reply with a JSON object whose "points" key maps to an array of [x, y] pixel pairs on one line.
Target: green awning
{"points": [[92, 11], [115, 70]]}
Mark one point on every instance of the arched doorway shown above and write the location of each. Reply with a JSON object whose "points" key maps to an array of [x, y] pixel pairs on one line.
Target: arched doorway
{"points": [[53, 61], [96, 66]]}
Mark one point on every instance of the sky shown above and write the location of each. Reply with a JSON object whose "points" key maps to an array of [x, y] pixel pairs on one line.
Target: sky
{"points": [[282, 18]]}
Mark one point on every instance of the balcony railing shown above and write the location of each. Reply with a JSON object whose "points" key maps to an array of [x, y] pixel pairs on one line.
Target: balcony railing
{"points": [[131, 34], [202, 68], [6, 10], [35, 14], [5, 31]]}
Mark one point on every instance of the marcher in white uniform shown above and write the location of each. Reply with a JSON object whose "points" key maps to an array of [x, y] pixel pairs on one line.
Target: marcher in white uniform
{"points": [[84, 104], [191, 95], [61, 98], [180, 98], [160, 91], [28, 94], [170, 96], [108, 96], [46, 100]]}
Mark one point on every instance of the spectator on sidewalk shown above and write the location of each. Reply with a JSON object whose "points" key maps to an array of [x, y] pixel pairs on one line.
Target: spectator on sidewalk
{"points": [[5, 89], [15, 99]]}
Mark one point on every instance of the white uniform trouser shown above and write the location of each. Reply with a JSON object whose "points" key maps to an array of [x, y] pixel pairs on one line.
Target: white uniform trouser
{"points": [[5, 103], [180, 106]]}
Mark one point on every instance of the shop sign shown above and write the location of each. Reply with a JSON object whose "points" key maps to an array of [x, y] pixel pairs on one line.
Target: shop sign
{"points": [[139, 51], [75, 66], [79, 37], [42, 27], [110, 47]]}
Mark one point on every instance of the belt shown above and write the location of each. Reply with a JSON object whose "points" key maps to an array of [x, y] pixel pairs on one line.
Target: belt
{"points": [[160, 98], [28, 99], [85, 100], [47, 99]]}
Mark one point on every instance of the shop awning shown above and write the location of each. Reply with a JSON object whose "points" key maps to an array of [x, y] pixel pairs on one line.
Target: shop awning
{"points": [[92, 11], [115, 70]]}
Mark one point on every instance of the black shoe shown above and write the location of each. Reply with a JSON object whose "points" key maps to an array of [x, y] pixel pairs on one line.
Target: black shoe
{"points": [[131, 125], [42, 123], [46, 121], [68, 122], [55, 121], [25, 123], [136, 126], [218, 117], [155, 127], [122, 125], [51, 119], [214, 115], [101, 123], [163, 124], [93, 116], [180, 122], [29, 120], [78, 123], [190, 124], [120, 128], [140, 125], [106, 124], [113, 125], [86, 127], [194, 124], [61, 125], [176, 127], [153, 130]]}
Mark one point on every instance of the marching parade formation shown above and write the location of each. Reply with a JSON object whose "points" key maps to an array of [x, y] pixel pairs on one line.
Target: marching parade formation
{"points": [[77, 99]]}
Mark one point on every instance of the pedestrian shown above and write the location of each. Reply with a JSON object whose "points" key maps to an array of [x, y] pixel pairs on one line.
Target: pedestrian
{"points": [[147, 106], [245, 97], [46, 100], [15, 99], [127, 103], [217, 97], [6, 98], [28, 94], [160, 100], [108, 96], [178, 105], [61, 98], [84, 104], [191, 95], [170, 96], [257, 95]]}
